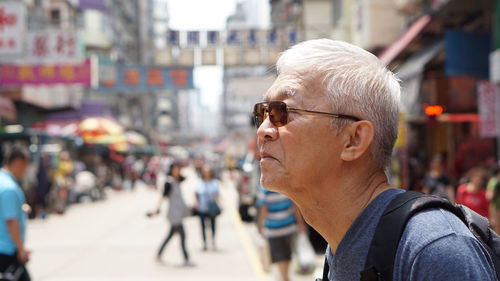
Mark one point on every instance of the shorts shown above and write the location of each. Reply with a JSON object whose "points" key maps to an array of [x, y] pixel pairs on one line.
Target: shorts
{"points": [[281, 248]]}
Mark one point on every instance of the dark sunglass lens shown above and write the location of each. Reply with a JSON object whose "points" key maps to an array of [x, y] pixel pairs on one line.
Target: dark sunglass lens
{"points": [[258, 114], [278, 113]]}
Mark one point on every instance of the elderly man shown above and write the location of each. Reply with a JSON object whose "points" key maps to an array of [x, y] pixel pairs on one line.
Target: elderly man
{"points": [[13, 255], [326, 130]]}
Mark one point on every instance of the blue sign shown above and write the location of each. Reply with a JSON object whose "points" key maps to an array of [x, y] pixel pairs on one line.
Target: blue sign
{"points": [[121, 78]]}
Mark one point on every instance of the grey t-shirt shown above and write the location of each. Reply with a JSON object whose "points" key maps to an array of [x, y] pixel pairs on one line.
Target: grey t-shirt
{"points": [[436, 245]]}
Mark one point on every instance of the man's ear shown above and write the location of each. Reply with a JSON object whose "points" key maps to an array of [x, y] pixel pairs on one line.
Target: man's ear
{"points": [[359, 137]]}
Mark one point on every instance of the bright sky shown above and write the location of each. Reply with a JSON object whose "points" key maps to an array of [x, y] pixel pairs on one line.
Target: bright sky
{"points": [[200, 14], [203, 15]]}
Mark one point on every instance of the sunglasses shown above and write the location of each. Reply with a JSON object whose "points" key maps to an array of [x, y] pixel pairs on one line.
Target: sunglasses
{"points": [[277, 111]]}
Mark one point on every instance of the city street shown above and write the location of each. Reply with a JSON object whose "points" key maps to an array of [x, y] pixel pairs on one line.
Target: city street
{"points": [[114, 240]]}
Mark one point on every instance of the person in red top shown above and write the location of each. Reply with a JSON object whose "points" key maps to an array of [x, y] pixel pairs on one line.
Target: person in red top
{"points": [[472, 194]]}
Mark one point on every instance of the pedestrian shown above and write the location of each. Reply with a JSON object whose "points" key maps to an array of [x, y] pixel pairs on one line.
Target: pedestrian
{"points": [[436, 181], [177, 210], [279, 221], [472, 194], [326, 130], [493, 196], [13, 208], [207, 202]]}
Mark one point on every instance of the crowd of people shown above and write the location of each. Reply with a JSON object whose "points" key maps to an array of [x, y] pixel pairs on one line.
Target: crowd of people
{"points": [[478, 189]]}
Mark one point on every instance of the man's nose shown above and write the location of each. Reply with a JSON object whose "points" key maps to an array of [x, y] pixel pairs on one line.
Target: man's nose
{"points": [[267, 131]]}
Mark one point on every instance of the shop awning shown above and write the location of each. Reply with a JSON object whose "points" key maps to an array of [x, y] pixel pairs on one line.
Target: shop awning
{"points": [[411, 75], [416, 63], [391, 52]]}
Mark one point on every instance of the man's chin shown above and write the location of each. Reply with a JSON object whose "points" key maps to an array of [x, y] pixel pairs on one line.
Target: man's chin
{"points": [[271, 184]]}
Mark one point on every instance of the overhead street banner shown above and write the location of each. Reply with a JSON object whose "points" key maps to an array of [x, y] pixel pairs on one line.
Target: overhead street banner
{"points": [[121, 78], [11, 27]]}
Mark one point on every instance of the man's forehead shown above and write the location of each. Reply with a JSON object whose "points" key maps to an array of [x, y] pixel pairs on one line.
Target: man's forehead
{"points": [[289, 85]]}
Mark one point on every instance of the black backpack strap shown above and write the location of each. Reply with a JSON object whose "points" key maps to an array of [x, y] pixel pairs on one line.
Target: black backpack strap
{"points": [[326, 269], [379, 263], [480, 227]]}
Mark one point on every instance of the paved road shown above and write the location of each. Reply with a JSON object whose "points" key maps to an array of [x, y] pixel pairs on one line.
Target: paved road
{"points": [[114, 240]]}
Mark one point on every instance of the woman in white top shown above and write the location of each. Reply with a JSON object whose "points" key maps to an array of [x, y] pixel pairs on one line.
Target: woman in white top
{"points": [[207, 202]]}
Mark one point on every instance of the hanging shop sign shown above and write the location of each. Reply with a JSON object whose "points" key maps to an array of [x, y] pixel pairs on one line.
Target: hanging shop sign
{"points": [[120, 78], [45, 74], [487, 96], [11, 27], [53, 46]]}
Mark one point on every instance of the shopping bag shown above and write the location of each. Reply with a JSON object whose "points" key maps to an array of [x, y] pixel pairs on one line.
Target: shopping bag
{"points": [[306, 257]]}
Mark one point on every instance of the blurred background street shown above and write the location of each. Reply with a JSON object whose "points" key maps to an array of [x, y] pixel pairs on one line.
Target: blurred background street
{"points": [[107, 94]]}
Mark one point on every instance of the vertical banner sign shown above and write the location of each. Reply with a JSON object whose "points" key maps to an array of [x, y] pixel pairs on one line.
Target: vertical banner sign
{"points": [[11, 27], [212, 38], [173, 38], [233, 37], [193, 38], [487, 95]]}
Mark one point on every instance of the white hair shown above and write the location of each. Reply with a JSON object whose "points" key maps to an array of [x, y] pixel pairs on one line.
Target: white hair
{"points": [[355, 83]]}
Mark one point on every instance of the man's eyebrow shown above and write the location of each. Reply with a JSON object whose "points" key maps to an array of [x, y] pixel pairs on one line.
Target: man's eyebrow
{"points": [[283, 93]]}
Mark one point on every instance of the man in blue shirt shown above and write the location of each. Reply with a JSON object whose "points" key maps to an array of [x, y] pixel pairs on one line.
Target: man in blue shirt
{"points": [[326, 130], [279, 221], [13, 255]]}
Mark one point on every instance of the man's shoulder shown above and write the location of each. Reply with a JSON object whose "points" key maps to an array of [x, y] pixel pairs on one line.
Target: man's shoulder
{"points": [[438, 243], [430, 225], [7, 184]]}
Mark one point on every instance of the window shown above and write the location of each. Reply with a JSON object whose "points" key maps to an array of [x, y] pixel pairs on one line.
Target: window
{"points": [[55, 17], [337, 11]]}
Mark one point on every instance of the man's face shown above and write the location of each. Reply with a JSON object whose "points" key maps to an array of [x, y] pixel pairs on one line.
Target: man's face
{"points": [[18, 167], [294, 155]]}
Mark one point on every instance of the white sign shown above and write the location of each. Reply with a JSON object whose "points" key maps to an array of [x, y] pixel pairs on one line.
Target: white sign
{"points": [[487, 95], [52, 46], [495, 66], [11, 28]]}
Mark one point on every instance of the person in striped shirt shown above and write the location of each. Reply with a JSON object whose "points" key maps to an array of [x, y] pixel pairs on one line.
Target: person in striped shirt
{"points": [[279, 221]]}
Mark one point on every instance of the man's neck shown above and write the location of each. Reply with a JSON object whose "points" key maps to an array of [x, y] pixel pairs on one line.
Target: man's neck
{"points": [[9, 171], [338, 204]]}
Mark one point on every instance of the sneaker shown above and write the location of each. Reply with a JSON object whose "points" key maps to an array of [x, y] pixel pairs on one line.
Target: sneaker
{"points": [[188, 264]]}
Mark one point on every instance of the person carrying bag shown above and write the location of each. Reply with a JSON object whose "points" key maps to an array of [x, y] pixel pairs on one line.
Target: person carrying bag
{"points": [[206, 202]]}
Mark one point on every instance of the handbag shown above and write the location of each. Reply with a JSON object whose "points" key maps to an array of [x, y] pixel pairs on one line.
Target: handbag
{"points": [[213, 209], [12, 273]]}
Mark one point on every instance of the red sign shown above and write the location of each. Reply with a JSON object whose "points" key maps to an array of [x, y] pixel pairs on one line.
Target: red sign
{"points": [[11, 27]]}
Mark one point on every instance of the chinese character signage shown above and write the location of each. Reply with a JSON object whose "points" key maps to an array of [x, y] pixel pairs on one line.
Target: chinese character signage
{"points": [[11, 27], [144, 78], [53, 46], [19, 75], [487, 95]]}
